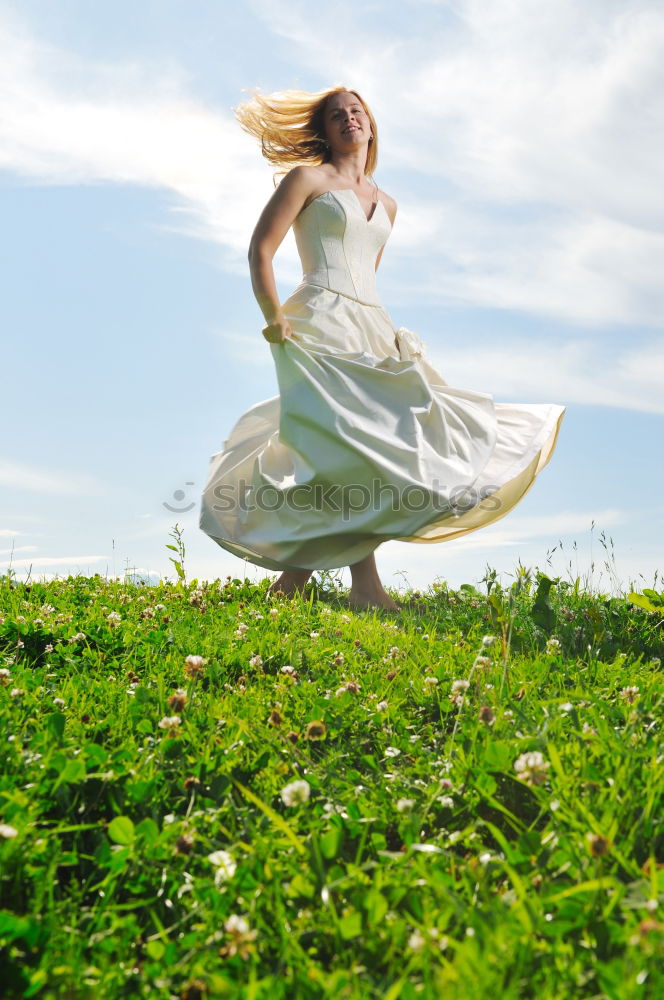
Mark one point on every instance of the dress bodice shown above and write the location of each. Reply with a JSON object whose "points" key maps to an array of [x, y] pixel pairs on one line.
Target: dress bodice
{"points": [[338, 245]]}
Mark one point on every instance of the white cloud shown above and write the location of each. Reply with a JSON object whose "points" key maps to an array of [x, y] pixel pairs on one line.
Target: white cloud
{"points": [[517, 529], [18, 476], [68, 121], [581, 371], [587, 269], [68, 561]]}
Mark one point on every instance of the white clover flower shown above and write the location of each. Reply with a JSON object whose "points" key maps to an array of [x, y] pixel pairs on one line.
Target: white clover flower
{"points": [[113, 618], [489, 640], [553, 646], [8, 831], [273, 612], [295, 793], [405, 805], [446, 801], [48, 648], [170, 722], [630, 694], [350, 687], [393, 652], [430, 681], [382, 706], [416, 941], [288, 669], [241, 938], [236, 925], [531, 767], [314, 635], [392, 751], [194, 665], [256, 661], [345, 618], [459, 686], [59, 702], [225, 865], [334, 807]]}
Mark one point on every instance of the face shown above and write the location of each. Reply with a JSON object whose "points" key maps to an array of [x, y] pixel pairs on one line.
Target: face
{"points": [[346, 122]]}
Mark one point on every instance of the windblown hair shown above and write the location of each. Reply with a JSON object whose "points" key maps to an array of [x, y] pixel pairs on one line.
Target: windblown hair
{"points": [[289, 125]]}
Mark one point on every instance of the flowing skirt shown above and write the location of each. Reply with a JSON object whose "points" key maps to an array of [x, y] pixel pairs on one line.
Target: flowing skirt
{"points": [[366, 442]]}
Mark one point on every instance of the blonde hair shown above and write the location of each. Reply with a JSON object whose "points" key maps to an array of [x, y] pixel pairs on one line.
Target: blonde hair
{"points": [[289, 125]]}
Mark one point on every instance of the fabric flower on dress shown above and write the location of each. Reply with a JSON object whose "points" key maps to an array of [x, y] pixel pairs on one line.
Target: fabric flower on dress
{"points": [[410, 345]]}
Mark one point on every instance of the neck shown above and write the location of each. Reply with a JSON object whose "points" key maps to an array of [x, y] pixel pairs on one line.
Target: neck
{"points": [[350, 165]]}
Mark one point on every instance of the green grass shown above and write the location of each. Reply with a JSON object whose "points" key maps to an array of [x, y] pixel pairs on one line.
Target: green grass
{"points": [[418, 861]]}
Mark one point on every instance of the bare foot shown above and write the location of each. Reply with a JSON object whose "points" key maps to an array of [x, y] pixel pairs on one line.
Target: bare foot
{"points": [[372, 599], [290, 582]]}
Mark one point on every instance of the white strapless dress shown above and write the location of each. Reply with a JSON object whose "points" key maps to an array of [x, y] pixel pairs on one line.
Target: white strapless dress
{"points": [[366, 441]]}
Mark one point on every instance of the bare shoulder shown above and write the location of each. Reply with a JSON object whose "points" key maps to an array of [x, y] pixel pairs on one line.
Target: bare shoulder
{"points": [[302, 179], [390, 205], [292, 193]]}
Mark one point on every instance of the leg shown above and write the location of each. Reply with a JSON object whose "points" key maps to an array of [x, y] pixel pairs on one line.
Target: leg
{"points": [[367, 590], [291, 582]]}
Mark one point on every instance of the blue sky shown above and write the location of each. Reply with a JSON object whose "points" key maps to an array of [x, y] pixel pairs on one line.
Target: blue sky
{"points": [[523, 142]]}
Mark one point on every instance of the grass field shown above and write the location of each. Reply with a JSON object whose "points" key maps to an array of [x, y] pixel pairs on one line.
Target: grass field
{"points": [[206, 793]]}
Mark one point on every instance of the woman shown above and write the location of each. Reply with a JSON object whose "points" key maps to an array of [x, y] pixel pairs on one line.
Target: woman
{"points": [[366, 441]]}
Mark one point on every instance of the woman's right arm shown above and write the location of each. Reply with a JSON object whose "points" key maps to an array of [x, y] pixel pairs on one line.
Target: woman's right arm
{"points": [[276, 219]]}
